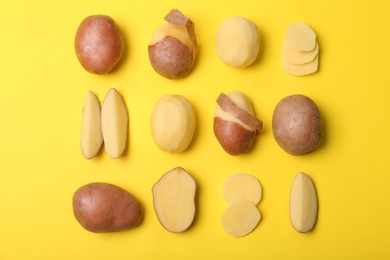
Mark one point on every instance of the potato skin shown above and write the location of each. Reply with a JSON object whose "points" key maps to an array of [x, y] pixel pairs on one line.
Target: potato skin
{"points": [[98, 44], [296, 124], [103, 207], [234, 138], [171, 58]]}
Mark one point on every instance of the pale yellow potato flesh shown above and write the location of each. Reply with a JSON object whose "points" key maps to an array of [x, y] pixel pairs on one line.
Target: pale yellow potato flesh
{"points": [[301, 69], [172, 123], [298, 57], [301, 36], [115, 122], [178, 32], [91, 138], [174, 200], [242, 102], [240, 218], [242, 186], [303, 204], [237, 42]]}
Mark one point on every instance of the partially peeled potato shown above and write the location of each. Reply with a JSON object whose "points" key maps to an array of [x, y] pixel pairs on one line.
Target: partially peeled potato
{"points": [[172, 49]]}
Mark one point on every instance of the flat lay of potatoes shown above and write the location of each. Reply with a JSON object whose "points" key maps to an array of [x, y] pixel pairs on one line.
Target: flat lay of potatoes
{"points": [[296, 125]]}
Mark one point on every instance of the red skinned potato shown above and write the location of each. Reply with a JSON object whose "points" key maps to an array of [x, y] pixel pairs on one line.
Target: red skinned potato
{"points": [[98, 44], [235, 125], [172, 49], [296, 124], [103, 207]]}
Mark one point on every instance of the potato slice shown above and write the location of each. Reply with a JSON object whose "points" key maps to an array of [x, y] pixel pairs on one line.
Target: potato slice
{"points": [[174, 200], [303, 203], [298, 57], [301, 69], [301, 36], [91, 138], [242, 186], [240, 218], [114, 123]]}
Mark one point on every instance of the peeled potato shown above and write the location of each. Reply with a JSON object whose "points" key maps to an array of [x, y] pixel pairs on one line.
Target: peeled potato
{"points": [[237, 42], [242, 186], [240, 218]]}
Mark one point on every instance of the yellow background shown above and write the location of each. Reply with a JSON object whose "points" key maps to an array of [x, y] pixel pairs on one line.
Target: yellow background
{"points": [[43, 88]]}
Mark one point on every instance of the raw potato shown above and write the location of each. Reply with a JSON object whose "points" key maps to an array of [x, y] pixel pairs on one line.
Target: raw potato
{"points": [[242, 186], [98, 44], [300, 50], [172, 49], [237, 42], [174, 200], [298, 57], [296, 124], [103, 207], [114, 123], [303, 204], [235, 125], [172, 123], [240, 218], [301, 69], [91, 132], [301, 36]]}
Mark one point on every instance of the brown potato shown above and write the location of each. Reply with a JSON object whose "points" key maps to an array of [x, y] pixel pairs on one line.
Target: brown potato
{"points": [[98, 44], [296, 124], [172, 49], [103, 207]]}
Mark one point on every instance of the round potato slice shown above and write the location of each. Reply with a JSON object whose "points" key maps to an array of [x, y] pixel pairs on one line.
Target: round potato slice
{"points": [[240, 218], [298, 57], [301, 69], [242, 186], [301, 36]]}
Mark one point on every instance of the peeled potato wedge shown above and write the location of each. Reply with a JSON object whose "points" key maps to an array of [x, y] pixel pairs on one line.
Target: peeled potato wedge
{"points": [[91, 138], [240, 218], [114, 123], [242, 186], [303, 203]]}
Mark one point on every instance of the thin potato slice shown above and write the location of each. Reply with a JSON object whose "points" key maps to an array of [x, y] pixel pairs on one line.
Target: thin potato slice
{"points": [[301, 69], [301, 36], [240, 218], [298, 57], [242, 186]]}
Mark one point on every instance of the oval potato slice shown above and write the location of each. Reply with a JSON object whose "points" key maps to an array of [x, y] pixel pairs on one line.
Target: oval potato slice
{"points": [[301, 69], [242, 186], [298, 57], [301, 36], [240, 218]]}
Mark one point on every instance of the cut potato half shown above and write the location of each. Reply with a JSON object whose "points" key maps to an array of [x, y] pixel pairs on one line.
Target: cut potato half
{"points": [[242, 186]]}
